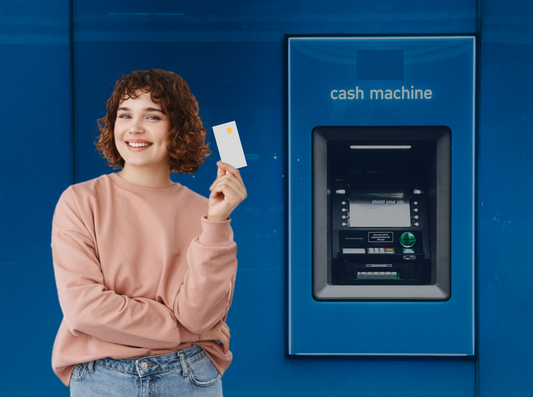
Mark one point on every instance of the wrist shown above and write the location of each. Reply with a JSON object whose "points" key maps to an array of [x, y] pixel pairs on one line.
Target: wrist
{"points": [[216, 219]]}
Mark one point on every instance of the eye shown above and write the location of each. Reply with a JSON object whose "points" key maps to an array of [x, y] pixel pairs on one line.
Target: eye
{"points": [[154, 118], [124, 116]]}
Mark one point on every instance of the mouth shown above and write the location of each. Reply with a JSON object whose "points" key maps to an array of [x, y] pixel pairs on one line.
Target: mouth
{"points": [[138, 144]]}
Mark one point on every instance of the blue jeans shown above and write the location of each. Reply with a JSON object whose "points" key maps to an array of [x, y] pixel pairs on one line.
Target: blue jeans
{"points": [[188, 372]]}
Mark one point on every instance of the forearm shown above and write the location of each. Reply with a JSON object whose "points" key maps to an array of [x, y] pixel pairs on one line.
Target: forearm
{"points": [[90, 308], [138, 322]]}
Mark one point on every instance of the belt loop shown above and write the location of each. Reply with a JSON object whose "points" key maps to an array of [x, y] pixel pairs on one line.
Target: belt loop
{"points": [[184, 369], [91, 366]]}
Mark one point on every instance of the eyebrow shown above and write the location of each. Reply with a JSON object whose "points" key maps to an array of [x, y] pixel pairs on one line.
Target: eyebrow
{"points": [[145, 109]]}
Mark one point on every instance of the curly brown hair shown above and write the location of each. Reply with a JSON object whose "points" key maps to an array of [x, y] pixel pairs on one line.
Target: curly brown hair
{"points": [[187, 148]]}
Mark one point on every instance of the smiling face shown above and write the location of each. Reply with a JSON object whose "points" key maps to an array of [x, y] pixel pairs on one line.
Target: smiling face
{"points": [[141, 133]]}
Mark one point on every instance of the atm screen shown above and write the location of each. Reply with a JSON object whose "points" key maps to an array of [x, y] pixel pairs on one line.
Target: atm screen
{"points": [[379, 207]]}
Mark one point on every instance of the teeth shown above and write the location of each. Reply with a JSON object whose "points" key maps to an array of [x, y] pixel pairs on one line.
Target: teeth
{"points": [[138, 144]]}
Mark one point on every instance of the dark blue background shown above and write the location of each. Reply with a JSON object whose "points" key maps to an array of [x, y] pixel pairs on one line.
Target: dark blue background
{"points": [[232, 54]]}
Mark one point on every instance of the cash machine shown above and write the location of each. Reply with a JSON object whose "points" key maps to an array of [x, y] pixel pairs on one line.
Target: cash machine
{"points": [[382, 194]]}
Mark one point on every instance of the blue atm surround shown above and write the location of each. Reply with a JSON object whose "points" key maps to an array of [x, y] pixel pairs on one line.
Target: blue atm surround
{"points": [[370, 81]]}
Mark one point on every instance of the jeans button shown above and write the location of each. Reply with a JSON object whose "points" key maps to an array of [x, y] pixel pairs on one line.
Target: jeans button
{"points": [[144, 365]]}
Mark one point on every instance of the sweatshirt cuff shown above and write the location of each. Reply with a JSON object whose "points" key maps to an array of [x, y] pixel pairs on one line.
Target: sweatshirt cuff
{"points": [[215, 233]]}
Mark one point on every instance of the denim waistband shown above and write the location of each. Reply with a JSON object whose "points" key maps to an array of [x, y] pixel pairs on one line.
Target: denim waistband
{"points": [[147, 365]]}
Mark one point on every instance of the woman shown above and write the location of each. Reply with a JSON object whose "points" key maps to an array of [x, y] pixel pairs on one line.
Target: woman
{"points": [[145, 268]]}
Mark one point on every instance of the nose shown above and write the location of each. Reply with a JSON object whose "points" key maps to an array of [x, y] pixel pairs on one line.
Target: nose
{"points": [[137, 127]]}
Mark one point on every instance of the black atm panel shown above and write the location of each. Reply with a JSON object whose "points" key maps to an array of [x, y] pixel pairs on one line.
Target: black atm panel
{"points": [[381, 215]]}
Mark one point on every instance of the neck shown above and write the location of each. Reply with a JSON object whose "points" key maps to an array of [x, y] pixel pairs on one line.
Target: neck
{"points": [[157, 178]]}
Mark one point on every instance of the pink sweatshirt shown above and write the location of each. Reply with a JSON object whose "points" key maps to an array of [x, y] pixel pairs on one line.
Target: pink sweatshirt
{"points": [[139, 271]]}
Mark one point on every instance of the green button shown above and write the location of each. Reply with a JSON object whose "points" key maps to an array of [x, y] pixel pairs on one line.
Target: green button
{"points": [[407, 239]]}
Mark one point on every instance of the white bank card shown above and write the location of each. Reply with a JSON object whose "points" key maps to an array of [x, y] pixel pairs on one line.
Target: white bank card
{"points": [[229, 144]]}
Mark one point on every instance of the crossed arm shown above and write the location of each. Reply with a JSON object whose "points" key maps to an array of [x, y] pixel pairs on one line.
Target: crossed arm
{"points": [[90, 308]]}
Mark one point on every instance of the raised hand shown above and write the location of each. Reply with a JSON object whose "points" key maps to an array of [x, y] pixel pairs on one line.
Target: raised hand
{"points": [[227, 192]]}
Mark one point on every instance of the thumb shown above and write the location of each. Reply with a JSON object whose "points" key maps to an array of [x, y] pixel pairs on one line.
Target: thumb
{"points": [[220, 170]]}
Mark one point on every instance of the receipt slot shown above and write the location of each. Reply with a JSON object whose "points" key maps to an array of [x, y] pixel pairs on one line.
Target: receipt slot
{"points": [[382, 194]]}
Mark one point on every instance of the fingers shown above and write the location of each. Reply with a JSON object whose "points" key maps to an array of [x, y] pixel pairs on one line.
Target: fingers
{"points": [[225, 346], [225, 330], [231, 179], [231, 171], [228, 177], [224, 337], [220, 334], [227, 192], [220, 171], [229, 186]]}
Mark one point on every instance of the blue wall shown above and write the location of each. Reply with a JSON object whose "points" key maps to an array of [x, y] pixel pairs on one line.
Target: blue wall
{"points": [[505, 217], [232, 55], [35, 167]]}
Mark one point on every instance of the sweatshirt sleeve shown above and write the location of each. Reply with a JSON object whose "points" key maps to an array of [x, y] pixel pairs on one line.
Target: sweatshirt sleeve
{"points": [[88, 307], [207, 291]]}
